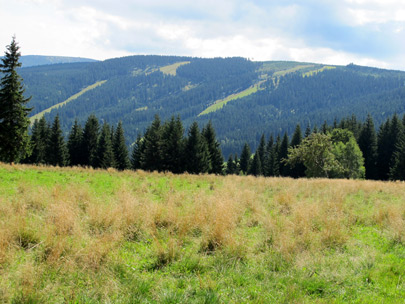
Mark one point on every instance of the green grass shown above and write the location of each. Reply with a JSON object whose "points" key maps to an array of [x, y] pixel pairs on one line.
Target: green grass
{"points": [[219, 104], [293, 69], [75, 96], [77, 235], [314, 72], [171, 69]]}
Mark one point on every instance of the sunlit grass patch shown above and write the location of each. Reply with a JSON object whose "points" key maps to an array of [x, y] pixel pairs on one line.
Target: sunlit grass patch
{"points": [[83, 235]]}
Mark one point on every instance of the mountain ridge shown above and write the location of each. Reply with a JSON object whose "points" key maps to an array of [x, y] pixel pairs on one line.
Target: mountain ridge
{"points": [[37, 60], [288, 93]]}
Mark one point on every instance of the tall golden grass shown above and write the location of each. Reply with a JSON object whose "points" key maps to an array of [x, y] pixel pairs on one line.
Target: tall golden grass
{"points": [[69, 227]]}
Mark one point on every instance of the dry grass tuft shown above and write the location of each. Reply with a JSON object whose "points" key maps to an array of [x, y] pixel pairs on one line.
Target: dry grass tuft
{"points": [[69, 226]]}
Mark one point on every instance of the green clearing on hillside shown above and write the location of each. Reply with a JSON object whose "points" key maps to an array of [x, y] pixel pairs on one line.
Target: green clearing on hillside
{"points": [[219, 104], [73, 235], [293, 70], [171, 69], [75, 96], [312, 73]]}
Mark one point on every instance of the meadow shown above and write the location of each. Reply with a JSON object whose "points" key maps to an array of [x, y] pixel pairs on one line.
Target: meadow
{"points": [[75, 235]]}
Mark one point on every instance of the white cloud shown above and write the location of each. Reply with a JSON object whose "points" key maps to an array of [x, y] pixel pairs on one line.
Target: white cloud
{"points": [[335, 32]]}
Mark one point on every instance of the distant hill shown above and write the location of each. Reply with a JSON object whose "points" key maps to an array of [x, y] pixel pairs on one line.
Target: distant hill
{"points": [[35, 60], [243, 99]]}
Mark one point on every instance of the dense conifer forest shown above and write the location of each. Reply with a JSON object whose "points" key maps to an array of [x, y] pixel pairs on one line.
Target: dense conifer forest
{"points": [[252, 97], [357, 150]]}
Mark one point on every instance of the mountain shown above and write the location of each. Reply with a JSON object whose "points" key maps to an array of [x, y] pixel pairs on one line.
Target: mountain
{"points": [[35, 60], [242, 98]]}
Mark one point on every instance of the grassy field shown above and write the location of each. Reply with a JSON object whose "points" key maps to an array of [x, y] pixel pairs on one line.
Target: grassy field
{"points": [[172, 69], [75, 96], [219, 104], [324, 68], [77, 235]]}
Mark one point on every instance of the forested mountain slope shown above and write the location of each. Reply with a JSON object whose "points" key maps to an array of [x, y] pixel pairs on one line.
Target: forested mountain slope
{"points": [[243, 99], [35, 60]]}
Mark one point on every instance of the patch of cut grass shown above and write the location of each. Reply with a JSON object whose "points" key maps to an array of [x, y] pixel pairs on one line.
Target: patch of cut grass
{"points": [[292, 70], [142, 109], [219, 104], [314, 72], [171, 69], [75, 96]]}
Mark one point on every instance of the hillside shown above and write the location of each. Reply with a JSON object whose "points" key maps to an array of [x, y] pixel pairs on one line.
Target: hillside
{"points": [[35, 60], [243, 99], [74, 235]]}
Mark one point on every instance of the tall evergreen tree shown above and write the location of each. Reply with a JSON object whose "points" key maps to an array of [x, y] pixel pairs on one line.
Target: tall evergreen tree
{"points": [[394, 136], [261, 149], [256, 167], [299, 168], [57, 154], [120, 148], [215, 154], [237, 165], [388, 141], [38, 142], [104, 157], [138, 150], [368, 146], [14, 122], [151, 159], [282, 154], [267, 165], [75, 145], [397, 171], [172, 145], [196, 151], [230, 165], [245, 159], [90, 139], [325, 127], [307, 131]]}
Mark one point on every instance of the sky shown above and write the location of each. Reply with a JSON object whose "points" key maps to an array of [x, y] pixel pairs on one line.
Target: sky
{"points": [[364, 32]]}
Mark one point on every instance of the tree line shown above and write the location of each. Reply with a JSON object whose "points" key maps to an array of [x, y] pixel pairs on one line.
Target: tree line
{"points": [[163, 147], [346, 149]]}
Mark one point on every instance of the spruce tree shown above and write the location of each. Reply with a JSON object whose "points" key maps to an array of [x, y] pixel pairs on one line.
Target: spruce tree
{"points": [[90, 138], [196, 151], [215, 155], [172, 145], [261, 149], [267, 165], [394, 137], [75, 145], [275, 157], [137, 152], [237, 165], [397, 171], [282, 154], [383, 157], [14, 121], [104, 157], [230, 165], [57, 154], [245, 159], [151, 158], [120, 148], [307, 131], [39, 140], [256, 167], [299, 168], [368, 146]]}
